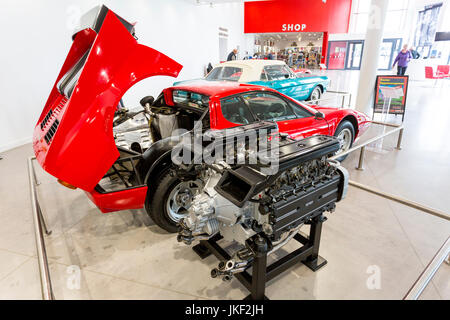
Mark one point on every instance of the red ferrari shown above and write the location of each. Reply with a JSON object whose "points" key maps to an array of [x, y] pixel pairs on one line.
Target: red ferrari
{"points": [[74, 141]]}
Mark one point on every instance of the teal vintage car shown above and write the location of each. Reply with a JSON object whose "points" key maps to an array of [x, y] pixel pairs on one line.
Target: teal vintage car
{"points": [[270, 73]]}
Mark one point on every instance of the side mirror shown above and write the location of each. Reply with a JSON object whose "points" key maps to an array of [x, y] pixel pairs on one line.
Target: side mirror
{"points": [[319, 115], [147, 99]]}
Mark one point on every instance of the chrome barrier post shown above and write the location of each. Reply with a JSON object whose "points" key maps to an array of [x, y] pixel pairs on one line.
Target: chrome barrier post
{"points": [[406, 202], [360, 166], [428, 273], [36, 181], [400, 138], [38, 220], [42, 218]]}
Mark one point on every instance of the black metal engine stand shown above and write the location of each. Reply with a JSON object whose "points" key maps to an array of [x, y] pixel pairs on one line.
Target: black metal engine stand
{"points": [[308, 254]]}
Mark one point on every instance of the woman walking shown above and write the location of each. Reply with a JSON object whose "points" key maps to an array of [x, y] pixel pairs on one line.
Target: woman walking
{"points": [[402, 60]]}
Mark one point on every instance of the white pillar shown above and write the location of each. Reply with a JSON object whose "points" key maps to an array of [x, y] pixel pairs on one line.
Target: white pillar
{"points": [[369, 63]]}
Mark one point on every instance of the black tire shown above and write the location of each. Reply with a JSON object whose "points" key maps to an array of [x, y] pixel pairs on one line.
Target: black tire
{"points": [[155, 203], [316, 91], [348, 126]]}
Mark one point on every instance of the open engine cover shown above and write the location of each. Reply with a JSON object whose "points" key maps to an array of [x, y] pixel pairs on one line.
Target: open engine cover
{"points": [[73, 138]]}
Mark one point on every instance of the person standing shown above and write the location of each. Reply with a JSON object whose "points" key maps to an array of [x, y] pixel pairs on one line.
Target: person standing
{"points": [[402, 60], [232, 55], [290, 58], [414, 53]]}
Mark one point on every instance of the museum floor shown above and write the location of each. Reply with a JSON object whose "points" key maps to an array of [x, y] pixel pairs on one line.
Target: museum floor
{"points": [[125, 256]]}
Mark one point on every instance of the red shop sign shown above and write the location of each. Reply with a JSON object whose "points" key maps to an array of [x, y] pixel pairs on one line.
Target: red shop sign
{"points": [[331, 16]]}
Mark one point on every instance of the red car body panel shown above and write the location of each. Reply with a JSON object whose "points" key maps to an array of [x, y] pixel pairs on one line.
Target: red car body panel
{"points": [[120, 200], [75, 142], [296, 128], [83, 149]]}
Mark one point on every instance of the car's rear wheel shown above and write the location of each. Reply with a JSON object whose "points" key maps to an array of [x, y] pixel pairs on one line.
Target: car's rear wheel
{"points": [[345, 133], [315, 94], [170, 200]]}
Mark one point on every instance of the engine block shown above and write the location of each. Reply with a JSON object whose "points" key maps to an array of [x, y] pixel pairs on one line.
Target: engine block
{"points": [[241, 201]]}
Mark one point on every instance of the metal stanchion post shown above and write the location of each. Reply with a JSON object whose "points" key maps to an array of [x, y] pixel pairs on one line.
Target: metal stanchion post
{"points": [[46, 284], [399, 142], [360, 166], [428, 273], [42, 219]]}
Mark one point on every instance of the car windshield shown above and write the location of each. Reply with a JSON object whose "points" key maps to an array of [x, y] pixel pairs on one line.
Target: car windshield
{"points": [[277, 72], [225, 73], [191, 99], [269, 107]]}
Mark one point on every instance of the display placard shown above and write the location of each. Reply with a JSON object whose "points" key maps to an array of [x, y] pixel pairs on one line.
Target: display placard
{"points": [[391, 91]]}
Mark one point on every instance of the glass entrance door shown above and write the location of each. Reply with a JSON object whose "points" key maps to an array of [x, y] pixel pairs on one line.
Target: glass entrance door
{"points": [[389, 49], [355, 50], [337, 51]]}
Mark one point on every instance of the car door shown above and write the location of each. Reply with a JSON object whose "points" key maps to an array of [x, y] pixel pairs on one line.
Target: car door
{"points": [[291, 118]]}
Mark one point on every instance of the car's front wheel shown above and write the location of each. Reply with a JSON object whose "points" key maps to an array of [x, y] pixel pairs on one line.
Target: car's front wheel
{"points": [[315, 94], [345, 133], [171, 199]]}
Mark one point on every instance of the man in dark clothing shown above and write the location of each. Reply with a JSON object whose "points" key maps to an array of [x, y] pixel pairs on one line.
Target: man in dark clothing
{"points": [[414, 53], [232, 55]]}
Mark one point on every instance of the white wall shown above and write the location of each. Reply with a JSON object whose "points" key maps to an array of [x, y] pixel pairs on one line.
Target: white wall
{"points": [[36, 36]]}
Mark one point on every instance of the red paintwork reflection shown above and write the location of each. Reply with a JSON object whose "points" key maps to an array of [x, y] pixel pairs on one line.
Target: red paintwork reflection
{"points": [[120, 200], [83, 149]]}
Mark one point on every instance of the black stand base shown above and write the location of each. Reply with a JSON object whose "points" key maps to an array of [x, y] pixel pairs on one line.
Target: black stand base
{"points": [[308, 254], [202, 251], [316, 264]]}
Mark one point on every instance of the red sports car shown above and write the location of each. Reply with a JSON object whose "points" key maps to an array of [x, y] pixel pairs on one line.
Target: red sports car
{"points": [[73, 139]]}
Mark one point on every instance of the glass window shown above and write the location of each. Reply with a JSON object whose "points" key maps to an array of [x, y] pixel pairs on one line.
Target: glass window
{"points": [[394, 20], [214, 74], [363, 6], [191, 99], [269, 107], [277, 72], [225, 73], [301, 112], [361, 21], [235, 110], [398, 5], [263, 76]]}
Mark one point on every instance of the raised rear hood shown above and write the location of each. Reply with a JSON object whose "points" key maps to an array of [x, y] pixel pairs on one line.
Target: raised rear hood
{"points": [[73, 138]]}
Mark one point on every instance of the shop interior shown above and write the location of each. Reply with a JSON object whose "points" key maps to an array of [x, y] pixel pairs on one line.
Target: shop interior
{"points": [[297, 49]]}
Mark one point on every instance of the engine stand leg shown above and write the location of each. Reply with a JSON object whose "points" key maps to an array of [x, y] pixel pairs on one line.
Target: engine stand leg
{"points": [[259, 270], [201, 250], [314, 261]]}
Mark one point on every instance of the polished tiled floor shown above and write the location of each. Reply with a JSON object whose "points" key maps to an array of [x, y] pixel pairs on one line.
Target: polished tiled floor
{"points": [[125, 256]]}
